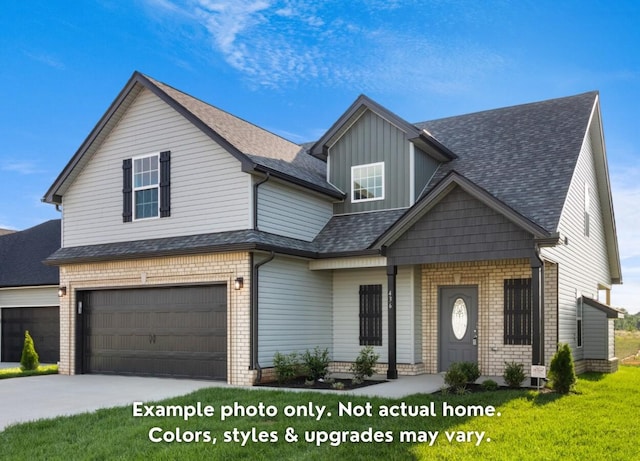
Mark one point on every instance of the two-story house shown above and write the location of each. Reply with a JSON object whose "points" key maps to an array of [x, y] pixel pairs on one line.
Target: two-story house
{"points": [[197, 244]]}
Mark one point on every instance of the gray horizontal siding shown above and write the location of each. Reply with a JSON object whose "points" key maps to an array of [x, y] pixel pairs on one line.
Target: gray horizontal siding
{"points": [[370, 140], [583, 262], [295, 311], [460, 228], [595, 327], [291, 212], [346, 326], [29, 297], [209, 193]]}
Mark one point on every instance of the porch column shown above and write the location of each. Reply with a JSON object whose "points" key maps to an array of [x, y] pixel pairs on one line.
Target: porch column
{"points": [[392, 271], [537, 295]]}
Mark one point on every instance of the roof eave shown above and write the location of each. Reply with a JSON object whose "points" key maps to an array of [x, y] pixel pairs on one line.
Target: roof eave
{"points": [[294, 180]]}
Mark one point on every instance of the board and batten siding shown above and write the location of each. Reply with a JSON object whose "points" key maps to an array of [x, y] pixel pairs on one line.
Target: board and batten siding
{"points": [[346, 312], [30, 297], [425, 167], [291, 212], [371, 139], [294, 309], [583, 262], [209, 193]]}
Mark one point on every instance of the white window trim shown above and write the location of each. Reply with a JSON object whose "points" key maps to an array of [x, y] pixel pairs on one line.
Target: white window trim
{"points": [[383, 183], [134, 189]]}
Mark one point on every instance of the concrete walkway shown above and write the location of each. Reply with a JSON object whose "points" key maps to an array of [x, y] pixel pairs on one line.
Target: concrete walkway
{"points": [[49, 396]]}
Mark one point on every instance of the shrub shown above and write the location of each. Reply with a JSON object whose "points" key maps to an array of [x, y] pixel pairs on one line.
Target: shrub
{"points": [[316, 364], [286, 366], [489, 385], [456, 378], [365, 363], [562, 373], [513, 374], [470, 370], [338, 385], [29, 359]]}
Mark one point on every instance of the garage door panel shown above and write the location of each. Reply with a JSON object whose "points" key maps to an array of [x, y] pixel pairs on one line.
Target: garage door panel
{"points": [[176, 331], [43, 324]]}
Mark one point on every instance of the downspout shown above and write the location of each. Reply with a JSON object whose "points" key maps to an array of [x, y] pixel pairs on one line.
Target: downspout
{"points": [[254, 313], [537, 289], [255, 199]]}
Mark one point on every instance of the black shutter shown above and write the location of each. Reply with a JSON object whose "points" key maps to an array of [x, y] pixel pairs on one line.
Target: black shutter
{"points": [[165, 184], [517, 311], [127, 201], [371, 315]]}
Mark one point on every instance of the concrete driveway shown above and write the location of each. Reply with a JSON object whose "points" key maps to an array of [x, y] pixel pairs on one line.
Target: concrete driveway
{"points": [[37, 397]]}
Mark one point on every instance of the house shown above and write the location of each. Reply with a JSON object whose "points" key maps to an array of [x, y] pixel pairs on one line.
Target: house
{"points": [[198, 244], [29, 292]]}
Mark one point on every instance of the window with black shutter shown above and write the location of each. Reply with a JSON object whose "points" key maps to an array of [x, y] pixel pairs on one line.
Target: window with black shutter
{"points": [[371, 315], [517, 311], [146, 187]]}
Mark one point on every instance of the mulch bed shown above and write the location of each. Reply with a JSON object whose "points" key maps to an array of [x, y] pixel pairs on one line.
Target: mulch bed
{"points": [[299, 383]]}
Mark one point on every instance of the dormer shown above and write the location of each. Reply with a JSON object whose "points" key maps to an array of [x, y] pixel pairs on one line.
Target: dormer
{"points": [[377, 159]]}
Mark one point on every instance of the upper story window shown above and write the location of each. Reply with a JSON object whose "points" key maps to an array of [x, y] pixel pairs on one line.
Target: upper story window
{"points": [[146, 187], [367, 182], [146, 182]]}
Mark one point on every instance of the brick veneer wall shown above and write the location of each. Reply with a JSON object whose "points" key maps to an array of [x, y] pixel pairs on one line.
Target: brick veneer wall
{"points": [[165, 271], [489, 277]]}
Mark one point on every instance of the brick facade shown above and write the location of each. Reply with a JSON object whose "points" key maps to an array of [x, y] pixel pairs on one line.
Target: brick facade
{"points": [[166, 271], [489, 277]]}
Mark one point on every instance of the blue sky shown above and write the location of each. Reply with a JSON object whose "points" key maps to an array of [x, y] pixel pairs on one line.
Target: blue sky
{"points": [[293, 66]]}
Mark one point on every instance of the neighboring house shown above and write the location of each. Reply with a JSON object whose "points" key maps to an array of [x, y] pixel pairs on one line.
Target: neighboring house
{"points": [[197, 244], [29, 292]]}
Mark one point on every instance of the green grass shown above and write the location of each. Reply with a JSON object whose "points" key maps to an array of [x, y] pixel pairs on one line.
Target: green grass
{"points": [[18, 373], [599, 421], [627, 343]]}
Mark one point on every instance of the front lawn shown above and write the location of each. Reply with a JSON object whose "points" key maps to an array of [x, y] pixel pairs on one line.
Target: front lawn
{"points": [[18, 373], [600, 421]]}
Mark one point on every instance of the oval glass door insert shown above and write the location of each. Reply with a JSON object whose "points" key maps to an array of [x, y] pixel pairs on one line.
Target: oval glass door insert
{"points": [[459, 318]]}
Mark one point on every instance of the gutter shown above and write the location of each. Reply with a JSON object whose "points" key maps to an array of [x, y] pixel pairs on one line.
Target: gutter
{"points": [[255, 365]]}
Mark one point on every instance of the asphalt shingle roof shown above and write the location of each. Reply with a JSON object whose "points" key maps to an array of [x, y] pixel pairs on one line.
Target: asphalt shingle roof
{"points": [[523, 155], [22, 253]]}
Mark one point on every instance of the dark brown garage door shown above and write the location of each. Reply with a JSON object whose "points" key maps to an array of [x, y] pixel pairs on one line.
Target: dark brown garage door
{"points": [[175, 331], [43, 324]]}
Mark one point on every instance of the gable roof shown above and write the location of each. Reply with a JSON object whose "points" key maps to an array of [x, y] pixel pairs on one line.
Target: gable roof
{"points": [[257, 149], [22, 253], [522, 155], [417, 135]]}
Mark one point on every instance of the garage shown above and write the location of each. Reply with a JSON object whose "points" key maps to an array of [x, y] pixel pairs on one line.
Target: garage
{"points": [[43, 324], [163, 331]]}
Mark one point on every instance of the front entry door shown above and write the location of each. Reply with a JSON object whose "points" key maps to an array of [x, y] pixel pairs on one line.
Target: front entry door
{"points": [[458, 325]]}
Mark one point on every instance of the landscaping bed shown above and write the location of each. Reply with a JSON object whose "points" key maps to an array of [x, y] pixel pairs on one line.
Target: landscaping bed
{"points": [[303, 383]]}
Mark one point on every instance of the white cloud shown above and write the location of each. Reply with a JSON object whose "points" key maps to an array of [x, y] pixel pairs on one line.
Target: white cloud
{"points": [[46, 59], [21, 167], [279, 43]]}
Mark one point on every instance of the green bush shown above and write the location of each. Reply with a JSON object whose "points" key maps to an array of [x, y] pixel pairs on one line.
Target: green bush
{"points": [[470, 370], [365, 364], [287, 366], [455, 378], [316, 364], [562, 374], [489, 385], [513, 374], [29, 359]]}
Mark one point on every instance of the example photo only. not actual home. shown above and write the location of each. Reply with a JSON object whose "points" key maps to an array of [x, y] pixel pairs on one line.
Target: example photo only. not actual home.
{"points": [[197, 244]]}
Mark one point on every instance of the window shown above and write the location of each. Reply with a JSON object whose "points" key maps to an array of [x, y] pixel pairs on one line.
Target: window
{"points": [[367, 182], [146, 180], [146, 187], [517, 311], [587, 207], [371, 315]]}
